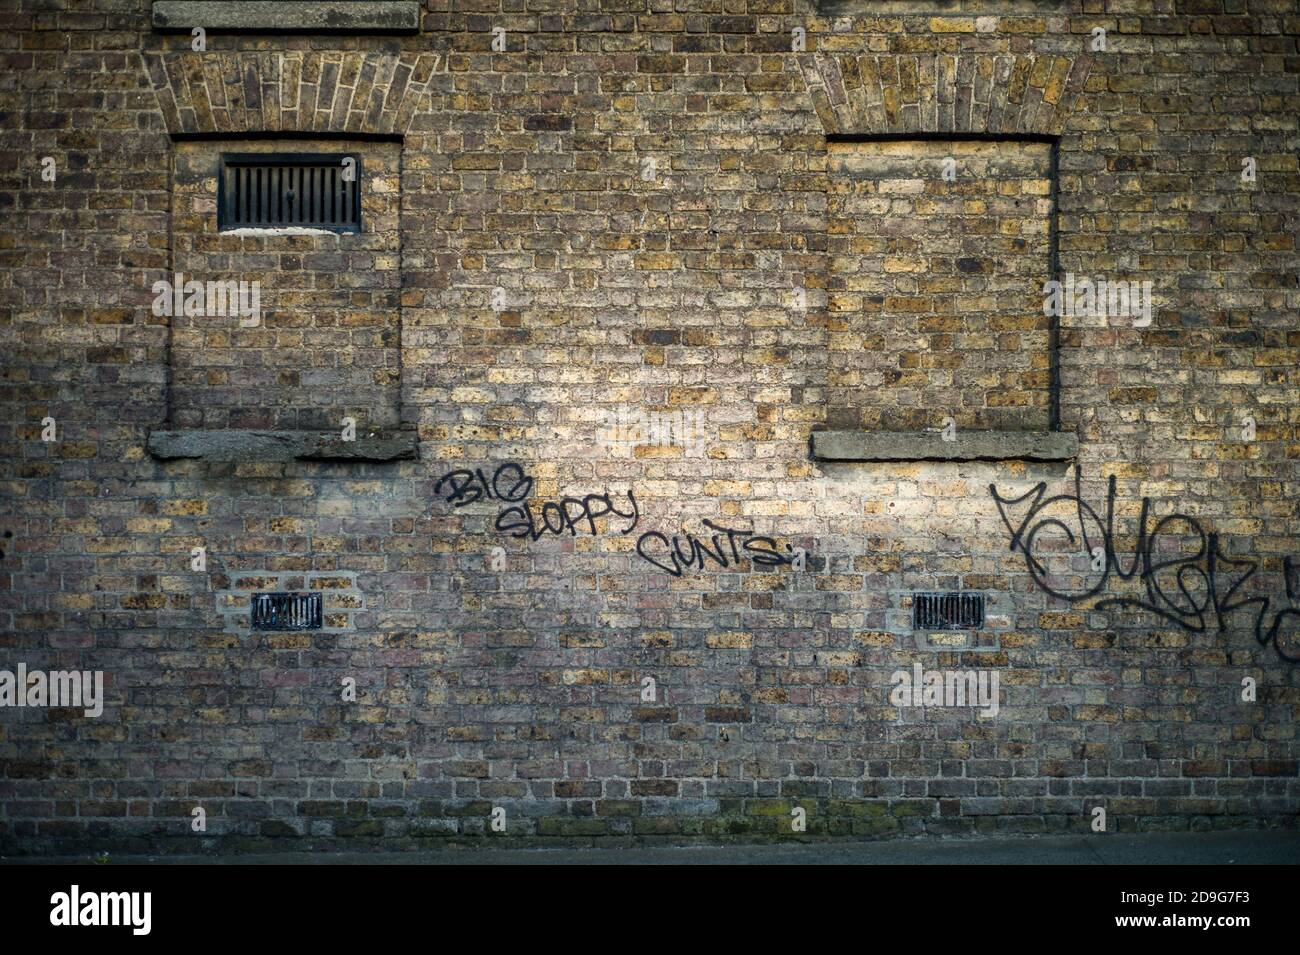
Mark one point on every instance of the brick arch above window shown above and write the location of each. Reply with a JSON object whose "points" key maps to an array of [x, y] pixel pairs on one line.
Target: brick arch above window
{"points": [[962, 93], [232, 93]]}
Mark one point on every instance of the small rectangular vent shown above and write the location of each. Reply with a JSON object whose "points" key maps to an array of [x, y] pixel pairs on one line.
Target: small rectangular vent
{"points": [[286, 612], [272, 190], [948, 611]]}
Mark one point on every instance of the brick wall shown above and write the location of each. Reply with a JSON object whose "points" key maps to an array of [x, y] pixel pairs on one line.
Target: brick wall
{"points": [[937, 256], [642, 211]]}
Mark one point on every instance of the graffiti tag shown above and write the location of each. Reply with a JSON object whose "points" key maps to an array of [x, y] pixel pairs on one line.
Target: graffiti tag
{"points": [[1188, 580]]}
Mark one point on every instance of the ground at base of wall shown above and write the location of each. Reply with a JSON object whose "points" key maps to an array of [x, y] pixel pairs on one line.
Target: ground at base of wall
{"points": [[1234, 847]]}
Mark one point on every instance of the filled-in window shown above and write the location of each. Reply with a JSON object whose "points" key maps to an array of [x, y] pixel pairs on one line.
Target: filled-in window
{"points": [[938, 252], [302, 241]]}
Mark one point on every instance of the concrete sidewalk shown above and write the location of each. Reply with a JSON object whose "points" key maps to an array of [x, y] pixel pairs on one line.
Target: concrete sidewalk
{"points": [[1247, 847]]}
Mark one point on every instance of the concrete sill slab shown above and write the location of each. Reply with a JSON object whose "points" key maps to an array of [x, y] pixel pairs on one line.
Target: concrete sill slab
{"points": [[930, 446], [288, 16], [251, 446]]}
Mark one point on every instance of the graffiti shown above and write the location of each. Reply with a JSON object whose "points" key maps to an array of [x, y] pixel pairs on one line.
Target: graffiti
{"points": [[513, 485], [466, 487], [569, 513], [1188, 580], [762, 550]]}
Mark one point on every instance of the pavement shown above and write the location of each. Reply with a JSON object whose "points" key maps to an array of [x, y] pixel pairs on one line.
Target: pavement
{"points": [[1244, 847]]}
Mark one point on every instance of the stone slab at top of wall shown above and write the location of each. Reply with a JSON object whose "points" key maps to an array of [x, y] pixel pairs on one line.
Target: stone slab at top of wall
{"points": [[289, 16]]}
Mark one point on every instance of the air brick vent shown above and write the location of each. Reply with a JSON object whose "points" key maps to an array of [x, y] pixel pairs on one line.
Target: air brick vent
{"points": [[270, 191], [954, 610], [285, 611]]}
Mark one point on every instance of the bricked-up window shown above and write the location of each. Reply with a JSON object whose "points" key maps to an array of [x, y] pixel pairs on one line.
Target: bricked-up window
{"points": [[938, 251], [314, 191], [325, 343]]}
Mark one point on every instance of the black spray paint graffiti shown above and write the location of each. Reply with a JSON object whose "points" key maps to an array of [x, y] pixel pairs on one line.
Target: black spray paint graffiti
{"points": [[762, 550], [466, 487], [512, 484], [1194, 590]]}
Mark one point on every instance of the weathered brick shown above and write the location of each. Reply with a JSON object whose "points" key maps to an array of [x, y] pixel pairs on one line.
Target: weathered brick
{"points": [[671, 214]]}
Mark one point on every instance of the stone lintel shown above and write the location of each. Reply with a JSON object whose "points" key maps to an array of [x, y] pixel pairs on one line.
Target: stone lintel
{"points": [[251, 446], [289, 16], [931, 446]]}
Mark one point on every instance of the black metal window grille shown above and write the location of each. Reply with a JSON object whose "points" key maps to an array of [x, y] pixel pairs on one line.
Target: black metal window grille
{"points": [[283, 611], [273, 190], [948, 611]]}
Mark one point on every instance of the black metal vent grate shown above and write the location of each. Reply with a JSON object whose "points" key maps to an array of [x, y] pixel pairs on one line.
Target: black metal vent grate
{"points": [[286, 612], [948, 611], [267, 191]]}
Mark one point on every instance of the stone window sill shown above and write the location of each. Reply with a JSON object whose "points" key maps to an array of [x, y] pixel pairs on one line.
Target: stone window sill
{"points": [[930, 446], [253, 446], [288, 16]]}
